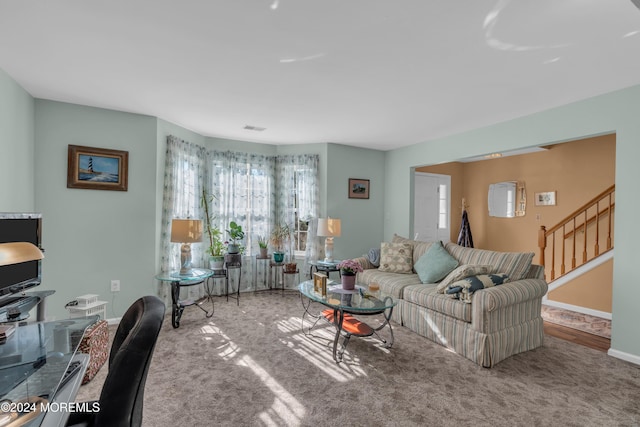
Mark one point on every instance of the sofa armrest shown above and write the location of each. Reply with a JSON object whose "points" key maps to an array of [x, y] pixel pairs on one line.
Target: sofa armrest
{"points": [[502, 306], [364, 263]]}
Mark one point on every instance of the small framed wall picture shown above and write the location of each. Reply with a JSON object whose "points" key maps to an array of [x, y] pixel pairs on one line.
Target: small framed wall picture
{"points": [[97, 168], [546, 198], [358, 188]]}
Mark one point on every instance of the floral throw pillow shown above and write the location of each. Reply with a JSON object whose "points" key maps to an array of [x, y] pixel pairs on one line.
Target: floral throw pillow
{"points": [[462, 272], [396, 257]]}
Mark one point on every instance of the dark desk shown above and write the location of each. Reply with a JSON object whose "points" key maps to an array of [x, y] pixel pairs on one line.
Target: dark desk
{"points": [[17, 302], [33, 361]]}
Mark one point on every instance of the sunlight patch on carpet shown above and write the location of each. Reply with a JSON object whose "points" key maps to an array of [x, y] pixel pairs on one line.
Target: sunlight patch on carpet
{"points": [[286, 408], [228, 350], [317, 349]]}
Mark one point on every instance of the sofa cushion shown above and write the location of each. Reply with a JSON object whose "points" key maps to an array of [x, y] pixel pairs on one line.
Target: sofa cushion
{"points": [[461, 272], [428, 296], [435, 264], [419, 247], [515, 264], [390, 283], [464, 289], [374, 256], [396, 258]]}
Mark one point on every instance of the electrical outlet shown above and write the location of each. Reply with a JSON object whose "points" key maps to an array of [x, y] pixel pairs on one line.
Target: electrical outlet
{"points": [[115, 286], [538, 217]]}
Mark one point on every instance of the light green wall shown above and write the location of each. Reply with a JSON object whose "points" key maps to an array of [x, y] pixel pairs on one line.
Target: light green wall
{"points": [[361, 219], [17, 190], [93, 236], [614, 112]]}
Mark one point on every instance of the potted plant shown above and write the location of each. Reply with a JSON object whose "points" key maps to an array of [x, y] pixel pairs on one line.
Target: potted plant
{"points": [[348, 270], [291, 266], [236, 234], [263, 245], [216, 245], [279, 236]]}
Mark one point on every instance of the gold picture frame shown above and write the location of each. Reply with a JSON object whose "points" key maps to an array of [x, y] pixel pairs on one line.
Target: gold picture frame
{"points": [[97, 168], [320, 284]]}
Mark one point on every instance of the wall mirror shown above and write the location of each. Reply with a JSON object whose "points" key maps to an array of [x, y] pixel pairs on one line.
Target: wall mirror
{"points": [[507, 199]]}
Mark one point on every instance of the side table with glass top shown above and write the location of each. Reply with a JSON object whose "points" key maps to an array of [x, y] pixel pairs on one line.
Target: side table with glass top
{"points": [[324, 266], [341, 306], [177, 280]]}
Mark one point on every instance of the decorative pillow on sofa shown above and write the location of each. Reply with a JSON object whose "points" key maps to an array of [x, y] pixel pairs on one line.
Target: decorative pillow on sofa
{"points": [[464, 289], [374, 256], [435, 264], [515, 264], [461, 272], [396, 257]]}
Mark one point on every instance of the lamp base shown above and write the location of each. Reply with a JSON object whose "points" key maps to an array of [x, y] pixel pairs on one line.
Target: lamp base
{"points": [[328, 249], [185, 260]]}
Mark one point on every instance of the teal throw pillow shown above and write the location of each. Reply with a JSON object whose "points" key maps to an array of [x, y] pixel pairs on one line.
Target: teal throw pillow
{"points": [[435, 264]]}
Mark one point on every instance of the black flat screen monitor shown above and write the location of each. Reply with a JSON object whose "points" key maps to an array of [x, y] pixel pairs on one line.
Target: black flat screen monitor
{"points": [[20, 228]]}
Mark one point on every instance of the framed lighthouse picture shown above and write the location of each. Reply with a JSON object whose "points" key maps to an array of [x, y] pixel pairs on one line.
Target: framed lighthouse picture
{"points": [[97, 168]]}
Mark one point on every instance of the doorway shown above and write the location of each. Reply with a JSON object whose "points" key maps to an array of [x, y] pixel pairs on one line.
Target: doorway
{"points": [[432, 207]]}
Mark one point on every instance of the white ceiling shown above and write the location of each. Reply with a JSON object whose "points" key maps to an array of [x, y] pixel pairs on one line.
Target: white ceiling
{"points": [[367, 73]]}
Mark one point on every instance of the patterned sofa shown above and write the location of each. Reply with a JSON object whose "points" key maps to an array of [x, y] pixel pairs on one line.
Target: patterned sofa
{"points": [[499, 321]]}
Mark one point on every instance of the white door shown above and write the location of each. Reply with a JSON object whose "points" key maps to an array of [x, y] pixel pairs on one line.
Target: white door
{"points": [[431, 207]]}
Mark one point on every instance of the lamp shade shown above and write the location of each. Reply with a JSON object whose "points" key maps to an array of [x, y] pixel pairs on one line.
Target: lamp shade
{"points": [[329, 227], [186, 230], [17, 252]]}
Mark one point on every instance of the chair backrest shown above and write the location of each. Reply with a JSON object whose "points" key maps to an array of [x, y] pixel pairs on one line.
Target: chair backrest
{"points": [[122, 394]]}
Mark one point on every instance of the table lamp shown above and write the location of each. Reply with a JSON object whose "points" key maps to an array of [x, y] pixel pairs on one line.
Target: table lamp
{"points": [[186, 231], [329, 228], [17, 252]]}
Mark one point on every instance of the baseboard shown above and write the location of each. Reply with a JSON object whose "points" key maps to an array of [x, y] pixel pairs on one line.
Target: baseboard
{"points": [[114, 321], [624, 356], [578, 309]]}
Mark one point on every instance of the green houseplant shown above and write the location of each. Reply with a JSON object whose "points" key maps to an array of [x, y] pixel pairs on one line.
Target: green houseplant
{"points": [[216, 245], [236, 234], [263, 245], [279, 235]]}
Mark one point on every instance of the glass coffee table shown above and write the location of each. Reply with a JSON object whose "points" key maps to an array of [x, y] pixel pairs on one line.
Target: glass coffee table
{"points": [[341, 306]]}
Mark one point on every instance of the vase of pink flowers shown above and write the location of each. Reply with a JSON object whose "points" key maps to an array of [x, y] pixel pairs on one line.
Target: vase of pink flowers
{"points": [[348, 271]]}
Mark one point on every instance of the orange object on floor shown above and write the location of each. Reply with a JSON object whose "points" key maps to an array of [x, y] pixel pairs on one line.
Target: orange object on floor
{"points": [[350, 324]]}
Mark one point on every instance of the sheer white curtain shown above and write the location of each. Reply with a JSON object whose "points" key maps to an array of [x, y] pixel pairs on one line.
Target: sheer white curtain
{"points": [[243, 184], [183, 179], [297, 182], [254, 190]]}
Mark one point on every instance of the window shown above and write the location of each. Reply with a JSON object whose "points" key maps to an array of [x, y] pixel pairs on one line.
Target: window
{"points": [[443, 204], [301, 227], [243, 184]]}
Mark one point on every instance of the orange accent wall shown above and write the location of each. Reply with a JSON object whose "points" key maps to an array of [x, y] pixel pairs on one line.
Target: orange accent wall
{"points": [[576, 170], [592, 290]]}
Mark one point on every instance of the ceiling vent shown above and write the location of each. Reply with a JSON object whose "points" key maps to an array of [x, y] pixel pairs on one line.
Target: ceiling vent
{"points": [[254, 128]]}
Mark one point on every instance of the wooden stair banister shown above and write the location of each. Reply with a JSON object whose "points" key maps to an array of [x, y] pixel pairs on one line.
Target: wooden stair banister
{"points": [[579, 221]]}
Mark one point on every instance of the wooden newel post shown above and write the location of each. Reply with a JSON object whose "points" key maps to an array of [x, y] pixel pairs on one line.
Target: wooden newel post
{"points": [[542, 242]]}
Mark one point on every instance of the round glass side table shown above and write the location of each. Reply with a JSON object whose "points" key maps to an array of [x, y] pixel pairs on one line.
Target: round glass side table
{"points": [[177, 280]]}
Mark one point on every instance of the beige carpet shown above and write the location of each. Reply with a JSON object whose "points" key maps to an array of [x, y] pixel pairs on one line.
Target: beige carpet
{"points": [[251, 366]]}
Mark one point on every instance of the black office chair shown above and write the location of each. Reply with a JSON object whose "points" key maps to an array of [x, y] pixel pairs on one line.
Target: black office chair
{"points": [[123, 390]]}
